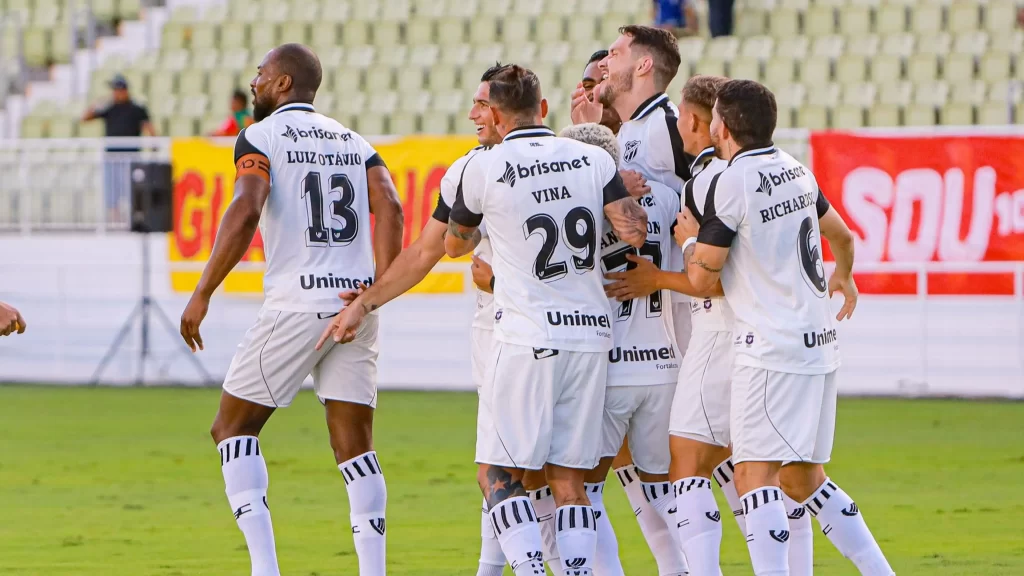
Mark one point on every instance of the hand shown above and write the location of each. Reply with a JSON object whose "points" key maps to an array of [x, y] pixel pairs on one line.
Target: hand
{"points": [[483, 274], [191, 318], [584, 109], [848, 287], [349, 296], [686, 226], [10, 320], [637, 282], [635, 183], [343, 327]]}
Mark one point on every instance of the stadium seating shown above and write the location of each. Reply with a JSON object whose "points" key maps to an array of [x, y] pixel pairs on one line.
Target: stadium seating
{"points": [[399, 66]]}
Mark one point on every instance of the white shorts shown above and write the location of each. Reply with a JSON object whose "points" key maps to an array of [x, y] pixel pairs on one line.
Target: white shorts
{"points": [[700, 409], [480, 355], [683, 324], [782, 417], [639, 413], [278, 352], [544, 406]]}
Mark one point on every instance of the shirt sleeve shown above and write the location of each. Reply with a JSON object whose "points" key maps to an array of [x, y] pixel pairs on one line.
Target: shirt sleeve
{"points": [[250, 155], [449, 187], [668, 150], [822, 204], [467, 210], [371, 158], [724, 210], [614, 188]]}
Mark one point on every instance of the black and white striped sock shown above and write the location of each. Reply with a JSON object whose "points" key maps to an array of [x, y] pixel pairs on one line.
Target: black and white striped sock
{"points": [[767, 531], [246, 482], [367, 500], [515, 524], [576, 536], [841, 521]]}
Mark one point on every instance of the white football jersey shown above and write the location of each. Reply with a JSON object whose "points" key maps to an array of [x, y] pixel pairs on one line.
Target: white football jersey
{"points": [[765, 208], [542, 200], [651, 145], [316, 222], [484, 316], [708, 314], [645, 351]]}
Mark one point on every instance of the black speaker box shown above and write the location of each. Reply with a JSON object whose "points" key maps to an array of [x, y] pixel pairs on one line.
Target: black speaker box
{"points": [[151, 197]]}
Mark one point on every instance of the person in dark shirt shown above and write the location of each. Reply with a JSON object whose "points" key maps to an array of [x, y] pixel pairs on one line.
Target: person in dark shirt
{"points": [[122, 117]]}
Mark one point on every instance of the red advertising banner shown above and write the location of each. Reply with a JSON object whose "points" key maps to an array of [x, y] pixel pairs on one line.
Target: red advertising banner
{"points": [[928, 199]]}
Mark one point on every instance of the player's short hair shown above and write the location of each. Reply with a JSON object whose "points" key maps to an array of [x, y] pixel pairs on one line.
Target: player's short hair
{"points": [[513, 88], [595, 135], [748, 110], [302, 64], [702, 90], [662, 46], [597, 56]]}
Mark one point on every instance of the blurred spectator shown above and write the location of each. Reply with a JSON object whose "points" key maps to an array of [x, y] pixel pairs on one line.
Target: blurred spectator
{"points": [[122, 117], [678, 16], [720, 17], [240, 117]]}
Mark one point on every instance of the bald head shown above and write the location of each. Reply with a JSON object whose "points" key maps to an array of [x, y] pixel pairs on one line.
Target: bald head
{"points": [[289, 73]]}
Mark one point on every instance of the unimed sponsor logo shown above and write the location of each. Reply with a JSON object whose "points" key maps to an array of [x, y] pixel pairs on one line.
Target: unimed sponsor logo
{"points": [[814, 339], [634, 354], [574, 318], [312, 281]]}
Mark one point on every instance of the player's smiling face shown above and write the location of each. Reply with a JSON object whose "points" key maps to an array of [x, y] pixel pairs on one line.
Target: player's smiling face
{"points": [[483, 117], [617, 70]]}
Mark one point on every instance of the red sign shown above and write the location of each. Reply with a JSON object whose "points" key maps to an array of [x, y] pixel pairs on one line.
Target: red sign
{"points": [[941, 198]]}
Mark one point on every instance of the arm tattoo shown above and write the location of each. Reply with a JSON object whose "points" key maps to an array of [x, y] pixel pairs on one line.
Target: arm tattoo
{"points": [[688, 254], [461, 232], [501, 486], [700, 263]]}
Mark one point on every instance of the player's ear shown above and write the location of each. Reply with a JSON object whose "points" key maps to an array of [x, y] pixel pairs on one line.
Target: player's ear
{"points": [[644, 65], [284, 83], [543, 107]]}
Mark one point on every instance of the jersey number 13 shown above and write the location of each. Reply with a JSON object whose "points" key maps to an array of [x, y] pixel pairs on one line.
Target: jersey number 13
{"points": [[344, 222]]}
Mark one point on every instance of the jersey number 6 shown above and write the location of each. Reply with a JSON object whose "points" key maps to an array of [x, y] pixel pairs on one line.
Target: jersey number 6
{"points": [[344, 220], [579, 235]]}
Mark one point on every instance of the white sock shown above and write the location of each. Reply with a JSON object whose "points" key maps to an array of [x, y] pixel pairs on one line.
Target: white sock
{"points": [[576, 537], [606, 561], [661, 540], [767, 531], [544, 504], [245, 482], [801, 538], [515, 523], [699, 524], [367, 500], [661, 497], [841, 521], [492, 559], [723, 476]]}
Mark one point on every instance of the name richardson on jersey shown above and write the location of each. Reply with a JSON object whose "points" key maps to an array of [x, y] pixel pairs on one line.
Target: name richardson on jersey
{"points": [[635, 354], [512, 174], [787, 207], [314, 282], [313, 157]]}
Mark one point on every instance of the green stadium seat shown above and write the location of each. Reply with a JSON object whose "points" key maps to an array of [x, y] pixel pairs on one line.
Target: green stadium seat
{"points": [[926, 18], [861, 95], [528, 7], [222, 83], [901, 45], [470, 8], [958, 67], [795, 48], [129, 9], [595, 7], [854, 20], [103, 10], [386, 34], [824, 95], [522, 52], [181, 127], [784, 23], [1000, 15], [93, 129], [234, 34], [379, 79], [436, 123], [163, 82], [968, 92], [608, 31], [205, 60], [828, 46], [851, 69], [404, 122], [750, 22], [819, 21], [355, 33], [186, 13], [366, 10], [891, 18], [922, 67], [393, 55], [192, 81], [582, 29], [816, 69], [935, 94], [396, 10], [36, 46], [33, 127], [995, 114], [691, 49], [410, 79], [550, 29], [324, 34], [295, 31], [780, 71], [964, 16], [723, 48], [419, 32], [451, 30], [744, 68], [757, 47], [848, 117], [173, 35], [812, 117], [957, 115], [864, 46], [455, 54], [896, 94], [553, 53], [360, 56], [883, 115], [710, 66], [485, 55], [350, 102], [919, 115], [334, 12]]}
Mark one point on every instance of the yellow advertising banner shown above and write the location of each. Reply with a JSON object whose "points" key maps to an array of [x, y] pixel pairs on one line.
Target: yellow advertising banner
{"points": [[204, 174]]}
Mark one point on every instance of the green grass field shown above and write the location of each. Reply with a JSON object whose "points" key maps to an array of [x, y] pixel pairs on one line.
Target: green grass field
{"points": [[127, 483]]}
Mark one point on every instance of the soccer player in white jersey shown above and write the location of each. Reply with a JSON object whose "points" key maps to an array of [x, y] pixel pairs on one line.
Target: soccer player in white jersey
{"points": [[639, 67], [415, 262], [10, 320], [539, 197], [311, 185], [761, 237]]}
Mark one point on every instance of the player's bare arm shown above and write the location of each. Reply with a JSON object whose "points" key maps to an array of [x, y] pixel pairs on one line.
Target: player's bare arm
{"points": [[483, 275], [387, 213], [628, 220], [646, 278], [704, 267], [10, 320], [461, 240], [237, 229], [840, 239], [410, 267]]}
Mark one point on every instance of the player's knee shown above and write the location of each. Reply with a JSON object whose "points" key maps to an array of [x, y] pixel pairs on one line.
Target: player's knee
{"points": [[347, 446], [752, 475], [692, 458], [534, 480], [799, 481]]}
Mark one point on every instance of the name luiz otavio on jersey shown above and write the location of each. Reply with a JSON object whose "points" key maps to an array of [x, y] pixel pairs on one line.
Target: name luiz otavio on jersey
{"points": [[312, 157]]}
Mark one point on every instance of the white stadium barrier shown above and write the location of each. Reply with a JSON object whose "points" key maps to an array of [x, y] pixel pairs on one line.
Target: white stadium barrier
{"points": [[76, 275]]}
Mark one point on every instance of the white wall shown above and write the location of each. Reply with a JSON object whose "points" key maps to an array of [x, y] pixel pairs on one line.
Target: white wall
{"points": [[76, 291]]}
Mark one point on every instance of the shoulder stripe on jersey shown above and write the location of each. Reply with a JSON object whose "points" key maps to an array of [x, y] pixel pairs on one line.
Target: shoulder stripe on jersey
{"points": [[822, 204], [374, 161], [689, 201], [649, 106], [297, 107], [442, 212], [701, 161], [679, 156], [758, 150], [713, 231], [460, 213], [243, 147]]}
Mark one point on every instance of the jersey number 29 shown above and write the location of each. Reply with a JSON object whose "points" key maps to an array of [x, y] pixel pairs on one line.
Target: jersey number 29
{"points": [[579, 233], [344, 220]]}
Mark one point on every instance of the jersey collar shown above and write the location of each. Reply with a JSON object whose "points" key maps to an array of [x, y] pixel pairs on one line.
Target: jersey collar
{"points": [[649, 105], [702, 159], [528, 132], [296, 107], [756, 150]]}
